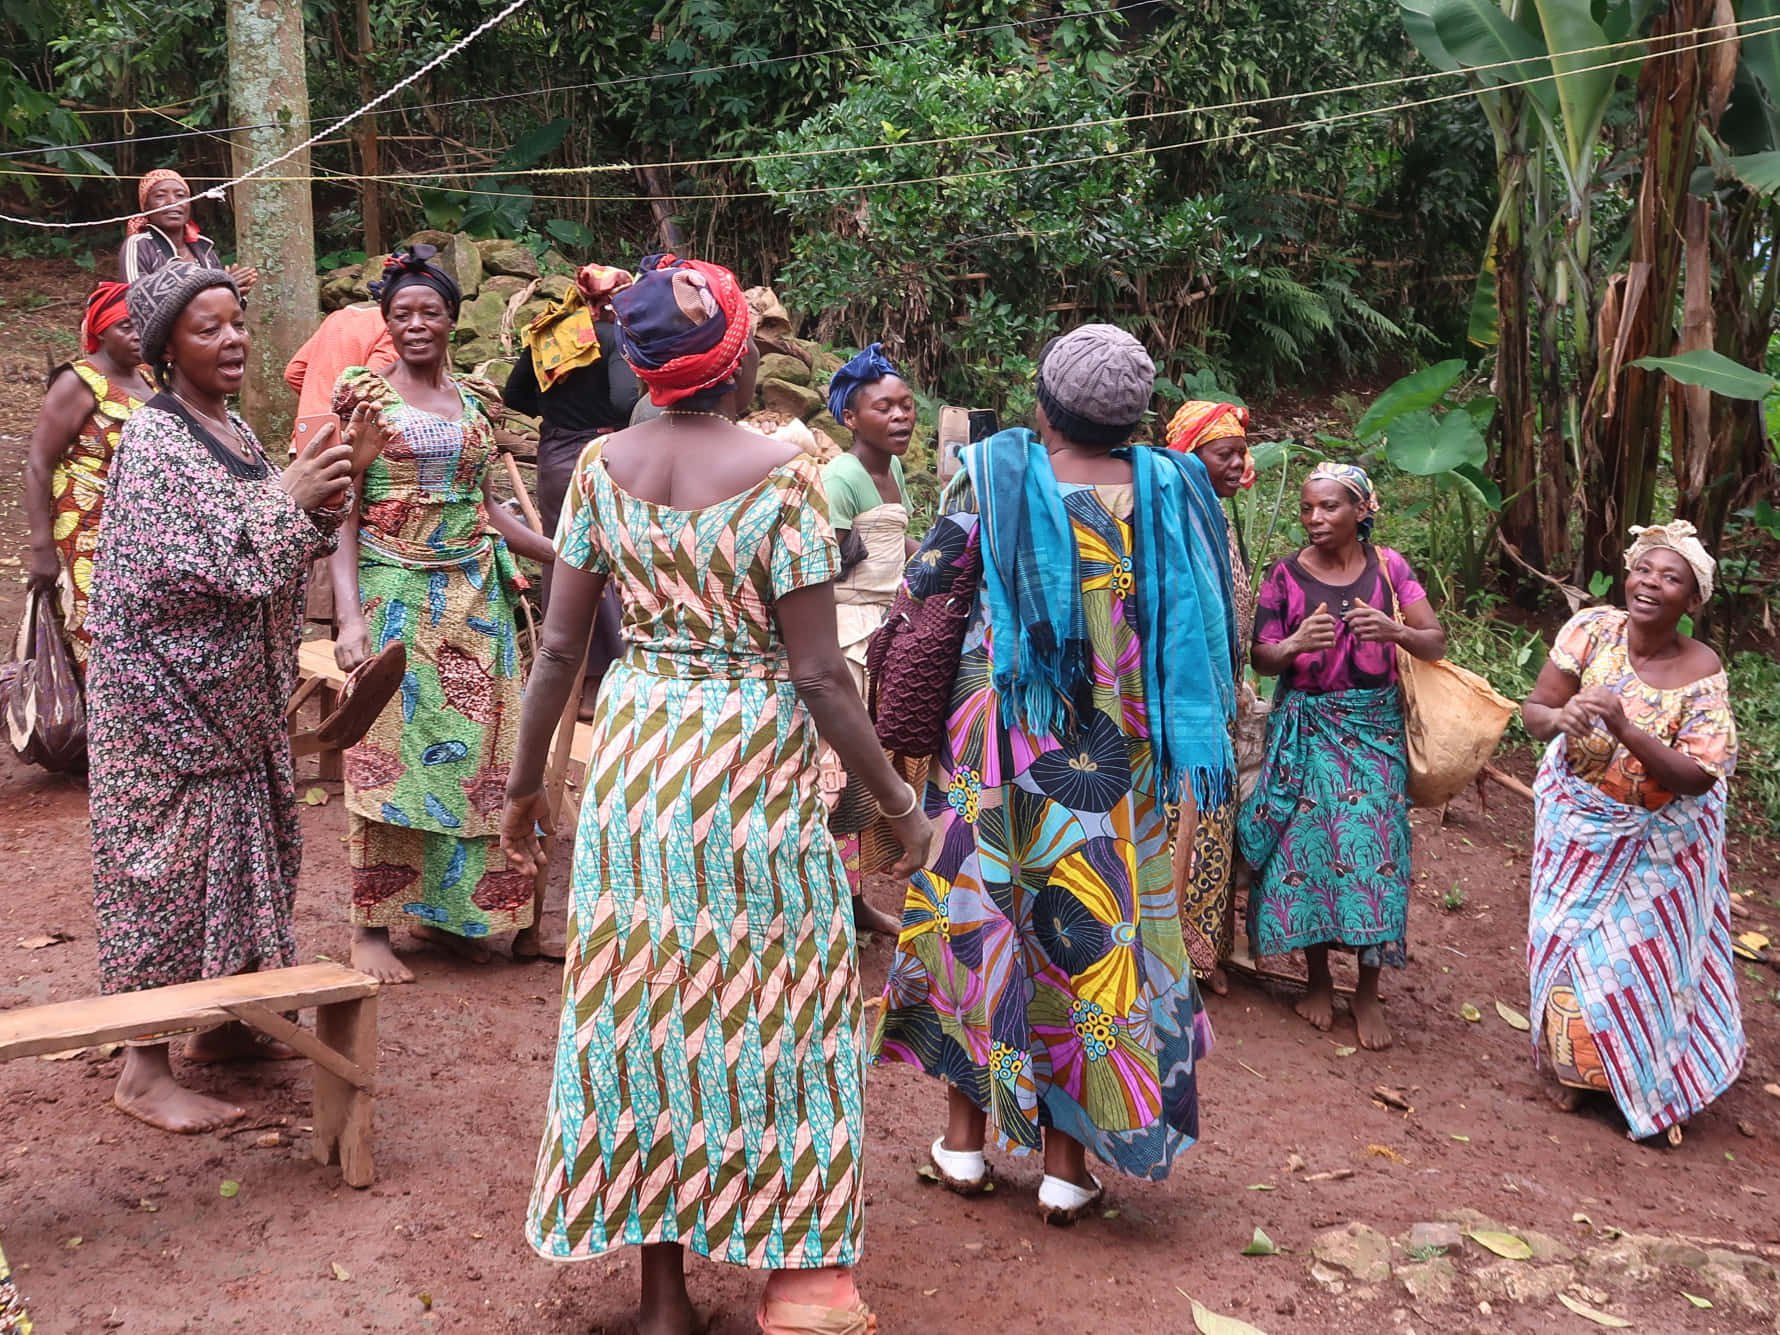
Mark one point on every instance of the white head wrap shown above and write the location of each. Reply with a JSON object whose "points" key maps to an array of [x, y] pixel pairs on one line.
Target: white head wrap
{"points": [[1678, 536]]}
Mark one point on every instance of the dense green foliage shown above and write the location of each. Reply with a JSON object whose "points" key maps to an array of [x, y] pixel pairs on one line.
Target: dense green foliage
{"points": [[1248, 237]]}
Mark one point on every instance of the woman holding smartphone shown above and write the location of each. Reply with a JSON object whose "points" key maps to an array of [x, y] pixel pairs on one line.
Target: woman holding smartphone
{"points": [[427, 558]]}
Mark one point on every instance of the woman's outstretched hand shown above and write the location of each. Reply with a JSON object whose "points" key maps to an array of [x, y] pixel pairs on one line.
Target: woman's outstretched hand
{"points": [[914, 832], [317, 478], [521, 820]]}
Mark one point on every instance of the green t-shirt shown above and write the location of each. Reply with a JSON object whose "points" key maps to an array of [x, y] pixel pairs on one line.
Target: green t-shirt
{"points": [[851, 492]]}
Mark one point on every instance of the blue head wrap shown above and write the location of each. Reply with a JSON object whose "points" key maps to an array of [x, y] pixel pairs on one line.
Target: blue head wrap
{"points": [[869, 367]]}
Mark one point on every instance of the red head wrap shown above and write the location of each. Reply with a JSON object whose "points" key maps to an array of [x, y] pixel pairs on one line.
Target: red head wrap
{"points": [[599, 281], [684, 326], [105, 307], [149, 182]]}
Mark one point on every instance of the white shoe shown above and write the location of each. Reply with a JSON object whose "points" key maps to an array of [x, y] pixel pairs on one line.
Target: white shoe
{"points": [[962, 1171], [1062, 1202]]}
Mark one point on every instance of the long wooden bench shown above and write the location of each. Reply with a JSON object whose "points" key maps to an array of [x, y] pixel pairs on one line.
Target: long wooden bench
{"points": [[343, 1046]]}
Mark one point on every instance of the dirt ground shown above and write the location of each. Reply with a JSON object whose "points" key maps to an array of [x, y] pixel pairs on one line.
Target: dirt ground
{"points": [[112, 1226]]}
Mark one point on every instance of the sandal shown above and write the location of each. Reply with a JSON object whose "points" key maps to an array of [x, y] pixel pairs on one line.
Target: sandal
{"points": [[367, 690], [844, 1312], [1061, 1202], [964, 1172]]}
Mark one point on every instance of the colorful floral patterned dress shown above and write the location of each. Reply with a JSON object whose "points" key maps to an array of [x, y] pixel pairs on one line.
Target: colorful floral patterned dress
{"points": [[77, 496], [196, 611], [709, 1076], [424, 788], [1040, 968]]}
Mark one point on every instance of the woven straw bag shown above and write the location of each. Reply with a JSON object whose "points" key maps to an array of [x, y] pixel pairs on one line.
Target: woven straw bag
{"points": [[1452, 720], [913, 661]]}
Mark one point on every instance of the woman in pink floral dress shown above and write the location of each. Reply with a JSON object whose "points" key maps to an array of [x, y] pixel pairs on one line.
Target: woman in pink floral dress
{"points": [[197, 602]]}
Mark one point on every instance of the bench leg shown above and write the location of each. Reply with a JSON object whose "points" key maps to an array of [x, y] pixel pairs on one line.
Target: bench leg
{"points": [[343, 1112], [329, 765]]}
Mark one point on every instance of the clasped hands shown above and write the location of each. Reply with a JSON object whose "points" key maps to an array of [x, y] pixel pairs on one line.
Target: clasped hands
{"points": [[1588, 707], [1368, 624]]}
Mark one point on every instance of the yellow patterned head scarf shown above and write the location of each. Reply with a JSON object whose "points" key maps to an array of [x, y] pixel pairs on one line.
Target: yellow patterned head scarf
{"points": [[562, 339], [1678, 536], [1198, 421]]}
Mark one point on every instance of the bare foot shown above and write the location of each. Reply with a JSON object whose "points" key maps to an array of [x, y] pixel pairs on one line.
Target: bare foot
{"points": [[529, 945], [1218, 982], [868, 917], [373, 954], [236, 1042], [1318, 1006], [148, 1092], [465, 948], [1375, 1034]]}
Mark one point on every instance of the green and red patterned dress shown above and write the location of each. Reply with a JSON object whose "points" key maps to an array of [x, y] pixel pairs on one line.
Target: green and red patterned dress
{"points": [[709, 1069], [424, 788]]}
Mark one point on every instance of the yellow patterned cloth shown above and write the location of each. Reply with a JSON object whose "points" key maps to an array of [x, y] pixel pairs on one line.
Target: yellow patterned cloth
{"points": [[1694, 719], [77, 497], [14, 1319]]}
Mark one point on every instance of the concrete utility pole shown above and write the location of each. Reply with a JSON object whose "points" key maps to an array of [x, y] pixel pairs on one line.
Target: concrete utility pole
{"points": [[274, 220]]}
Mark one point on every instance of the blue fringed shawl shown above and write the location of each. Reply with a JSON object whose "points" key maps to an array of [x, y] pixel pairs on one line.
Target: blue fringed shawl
{"points": [[1185, 620]]}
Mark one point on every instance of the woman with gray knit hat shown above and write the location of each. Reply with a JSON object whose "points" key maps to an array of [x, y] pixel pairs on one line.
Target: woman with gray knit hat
{"points": [[197, 600], [1040, 973]]}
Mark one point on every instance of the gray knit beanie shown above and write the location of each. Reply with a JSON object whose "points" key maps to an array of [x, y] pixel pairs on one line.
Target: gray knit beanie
{"points": [[156, 299], [1095, 384]]}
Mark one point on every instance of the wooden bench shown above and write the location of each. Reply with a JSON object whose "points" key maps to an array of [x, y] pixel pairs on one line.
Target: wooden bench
{"points": [[343, 1046]]}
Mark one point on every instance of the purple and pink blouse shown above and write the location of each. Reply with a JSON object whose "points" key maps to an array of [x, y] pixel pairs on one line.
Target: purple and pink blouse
{"points": [[1291, 593]]}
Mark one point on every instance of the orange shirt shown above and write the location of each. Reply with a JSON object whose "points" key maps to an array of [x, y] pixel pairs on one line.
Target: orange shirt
{"points": [[351, 336]]}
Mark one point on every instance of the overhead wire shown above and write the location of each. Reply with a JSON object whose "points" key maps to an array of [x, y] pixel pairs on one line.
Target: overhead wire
{"points": [[216, 192], [411, 179], [399, 178], [944, 34]]}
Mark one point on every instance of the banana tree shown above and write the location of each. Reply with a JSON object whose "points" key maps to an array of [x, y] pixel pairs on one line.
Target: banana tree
{"points": [[1544, 73], [1420, 431]]}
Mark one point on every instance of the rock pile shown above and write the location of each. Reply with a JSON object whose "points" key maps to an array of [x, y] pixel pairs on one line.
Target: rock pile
{"points": [[506, 287]]}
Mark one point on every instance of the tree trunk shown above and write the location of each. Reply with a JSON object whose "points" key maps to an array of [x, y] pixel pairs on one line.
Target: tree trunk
{"points": [[661, 202], [1621, 467], [1518, 451], [369, 203], [274, 221]]}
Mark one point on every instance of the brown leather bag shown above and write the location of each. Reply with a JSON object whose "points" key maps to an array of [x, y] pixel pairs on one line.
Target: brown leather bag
{"points": [[912, 662]]}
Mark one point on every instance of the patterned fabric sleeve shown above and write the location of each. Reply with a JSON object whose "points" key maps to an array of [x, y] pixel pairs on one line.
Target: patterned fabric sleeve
{"points": [[1270, 607], [1579, 641], [240, 542], [1409, 589], [577, 541], [1708, 733], [804, 551], [947, 547]]}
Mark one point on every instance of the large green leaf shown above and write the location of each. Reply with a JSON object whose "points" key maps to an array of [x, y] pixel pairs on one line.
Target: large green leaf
{"points": [[1486, 315], [1425, 446], [1759, 171], [1480, 485], [1715, 371], [1418, 22], [1584, 78], [1413, 393], [1753, 120], [1477, 34]]}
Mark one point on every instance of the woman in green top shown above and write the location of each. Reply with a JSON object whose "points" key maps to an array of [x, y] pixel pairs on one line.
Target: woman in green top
{"points": [[866, 500]]}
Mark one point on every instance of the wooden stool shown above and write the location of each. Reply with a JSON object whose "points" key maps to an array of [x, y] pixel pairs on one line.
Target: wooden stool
{"points": [[343, 1046]]}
